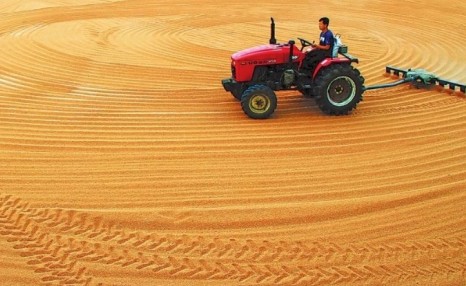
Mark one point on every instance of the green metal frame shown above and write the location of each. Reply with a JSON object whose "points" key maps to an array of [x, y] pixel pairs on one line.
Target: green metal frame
{"points": [[420, 77]]}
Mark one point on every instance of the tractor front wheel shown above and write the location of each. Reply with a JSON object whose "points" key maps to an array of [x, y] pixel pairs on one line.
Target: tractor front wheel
{"points": [[259, 101], [338, 89]]}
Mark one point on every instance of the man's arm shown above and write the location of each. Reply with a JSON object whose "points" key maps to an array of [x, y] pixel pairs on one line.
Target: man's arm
{"points": [[320, 47]]}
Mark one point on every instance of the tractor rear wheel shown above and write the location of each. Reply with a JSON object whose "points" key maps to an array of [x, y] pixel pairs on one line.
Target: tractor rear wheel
{"points": [[338, 89], [259, 101]]}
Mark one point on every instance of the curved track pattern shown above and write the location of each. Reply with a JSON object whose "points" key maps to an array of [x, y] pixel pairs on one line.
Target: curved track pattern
{"points": [[124, 162], [69, 247]]}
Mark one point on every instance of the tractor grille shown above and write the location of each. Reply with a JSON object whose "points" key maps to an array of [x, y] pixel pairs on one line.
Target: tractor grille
{"points": [[233, 71]]}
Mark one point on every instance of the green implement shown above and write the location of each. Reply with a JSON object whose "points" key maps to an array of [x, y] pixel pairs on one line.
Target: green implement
{"points": [[418, 77]]}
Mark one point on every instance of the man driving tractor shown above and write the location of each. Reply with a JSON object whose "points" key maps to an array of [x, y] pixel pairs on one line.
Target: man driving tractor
{"points": [[324, 48]]}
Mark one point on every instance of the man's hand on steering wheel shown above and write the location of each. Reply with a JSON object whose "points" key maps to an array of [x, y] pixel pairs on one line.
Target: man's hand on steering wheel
{"points": [[305, 43]]}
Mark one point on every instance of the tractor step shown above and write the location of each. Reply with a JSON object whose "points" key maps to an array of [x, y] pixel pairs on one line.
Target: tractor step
{"points": [[412, 75]]}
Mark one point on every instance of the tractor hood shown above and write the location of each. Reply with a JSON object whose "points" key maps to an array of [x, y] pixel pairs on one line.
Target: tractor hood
{"points": [[244, 62], [264, 54]]}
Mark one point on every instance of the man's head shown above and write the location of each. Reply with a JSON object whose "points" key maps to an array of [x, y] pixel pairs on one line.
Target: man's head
{"points": [[323, 23]]}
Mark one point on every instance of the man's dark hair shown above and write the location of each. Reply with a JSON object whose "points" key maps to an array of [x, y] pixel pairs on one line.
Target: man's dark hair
{"points": [[325, 20]]}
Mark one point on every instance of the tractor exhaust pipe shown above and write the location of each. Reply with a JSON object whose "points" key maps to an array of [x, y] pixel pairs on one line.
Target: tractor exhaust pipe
{"points": [[272, 40]]}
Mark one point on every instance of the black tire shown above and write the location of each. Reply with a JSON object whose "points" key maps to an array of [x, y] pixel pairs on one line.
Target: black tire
{"points": [[338, 89], [259, 101]]}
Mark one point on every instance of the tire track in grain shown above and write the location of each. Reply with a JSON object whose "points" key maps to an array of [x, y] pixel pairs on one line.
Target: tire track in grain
{"points": [[58, 243]]}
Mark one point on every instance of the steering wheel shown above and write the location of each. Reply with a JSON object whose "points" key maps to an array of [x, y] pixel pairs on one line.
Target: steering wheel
{"points": [[304, 43]]}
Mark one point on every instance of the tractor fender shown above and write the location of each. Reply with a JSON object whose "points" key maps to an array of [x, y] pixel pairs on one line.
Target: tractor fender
{"points": [[327, 62]]}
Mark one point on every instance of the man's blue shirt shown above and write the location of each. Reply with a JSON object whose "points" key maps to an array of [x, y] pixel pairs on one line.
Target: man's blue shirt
{"points": [[326, 38]]}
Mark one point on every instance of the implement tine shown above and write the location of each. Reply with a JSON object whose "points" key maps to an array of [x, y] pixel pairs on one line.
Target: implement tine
{"points": [[442, 82], [395, 71], [452, 85]]}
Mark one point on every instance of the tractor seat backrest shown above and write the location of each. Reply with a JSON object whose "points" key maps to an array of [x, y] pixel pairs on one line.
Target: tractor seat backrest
{"points": [[337, 43]]}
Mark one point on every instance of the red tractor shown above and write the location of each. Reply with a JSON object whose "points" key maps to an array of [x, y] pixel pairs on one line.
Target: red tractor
{"points": [[260, 71]]}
